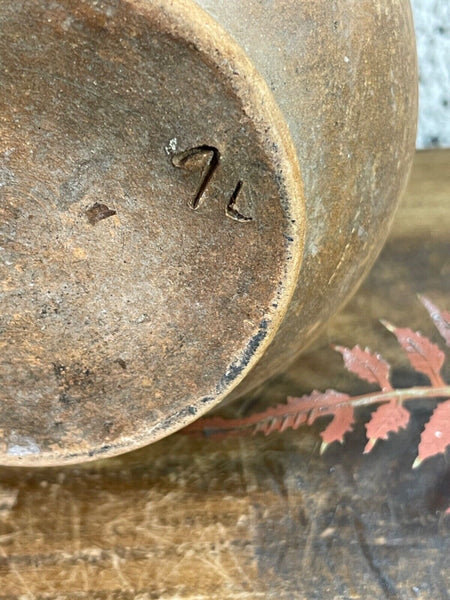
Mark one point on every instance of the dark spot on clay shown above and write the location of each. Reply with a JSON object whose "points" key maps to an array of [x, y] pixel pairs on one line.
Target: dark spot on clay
{"points": [[101, 450], [59, 370], [192, 410], [289, 238], [98, 212], [121, 363], [207, 399], [47, 310], [66, 399], [108, 425], [237, 367]]}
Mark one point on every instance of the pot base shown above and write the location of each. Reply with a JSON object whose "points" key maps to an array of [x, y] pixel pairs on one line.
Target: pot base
{"points": [[151, 224]]}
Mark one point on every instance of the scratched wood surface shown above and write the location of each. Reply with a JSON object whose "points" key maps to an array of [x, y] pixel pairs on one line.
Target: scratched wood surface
{"points": [[261, 517]]}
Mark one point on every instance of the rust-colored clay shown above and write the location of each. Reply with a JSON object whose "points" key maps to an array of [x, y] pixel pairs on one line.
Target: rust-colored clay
{"points": [[152, 210]]}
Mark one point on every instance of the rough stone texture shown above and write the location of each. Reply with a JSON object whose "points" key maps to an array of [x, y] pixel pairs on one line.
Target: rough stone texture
{"points": [[432, 25]]}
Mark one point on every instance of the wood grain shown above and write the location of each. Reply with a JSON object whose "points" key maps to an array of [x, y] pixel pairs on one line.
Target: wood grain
{"points": [[261, 517]]}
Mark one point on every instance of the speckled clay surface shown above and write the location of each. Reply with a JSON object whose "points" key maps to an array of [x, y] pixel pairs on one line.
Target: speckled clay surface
{"points": [[161, 163], [344, 76]]}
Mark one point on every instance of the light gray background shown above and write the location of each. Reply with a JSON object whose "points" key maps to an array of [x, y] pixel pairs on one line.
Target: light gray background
{"points": [[432, 22]]}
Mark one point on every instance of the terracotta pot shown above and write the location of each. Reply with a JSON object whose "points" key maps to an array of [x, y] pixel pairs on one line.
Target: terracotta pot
{"points": [[160, 165]]}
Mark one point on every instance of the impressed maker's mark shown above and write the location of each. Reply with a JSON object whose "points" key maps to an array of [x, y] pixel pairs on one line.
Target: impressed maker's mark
{"points": [[206, 159]]}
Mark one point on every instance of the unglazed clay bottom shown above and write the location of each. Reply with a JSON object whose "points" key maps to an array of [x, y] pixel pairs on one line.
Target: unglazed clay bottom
{"points": [[188, 191]]}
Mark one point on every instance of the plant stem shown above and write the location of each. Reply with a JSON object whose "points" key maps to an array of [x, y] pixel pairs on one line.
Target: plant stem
{"points": [[401, 395], [292, 410]]}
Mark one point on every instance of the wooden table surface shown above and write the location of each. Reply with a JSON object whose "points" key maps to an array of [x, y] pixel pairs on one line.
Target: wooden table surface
{"points": [[261, 517]]}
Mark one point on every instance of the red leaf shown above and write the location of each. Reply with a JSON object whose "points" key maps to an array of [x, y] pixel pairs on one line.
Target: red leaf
{"points": [[423, 355], [436, 434], [319, 403], [341, 424], [371, 367], [332, 403], [387, 418], [279, 418], [440, 318], [326, 403]]}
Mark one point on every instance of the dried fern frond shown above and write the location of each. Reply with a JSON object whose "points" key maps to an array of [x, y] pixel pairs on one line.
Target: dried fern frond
{"points": [[391, 416]]}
